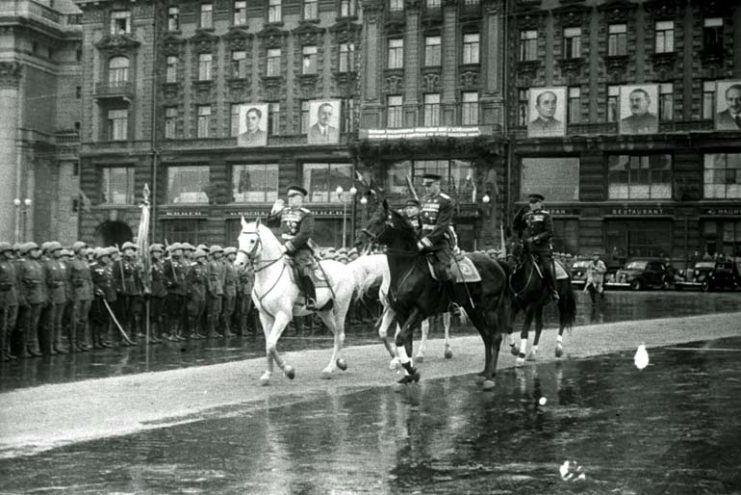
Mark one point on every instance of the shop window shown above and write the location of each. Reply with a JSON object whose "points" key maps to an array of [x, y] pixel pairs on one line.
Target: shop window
{"points": [[722, 237], [322, 180], [722, 176], [182, 230], [255, 183], [555, 178], [187, 184], [639, 176], [457, 177], [565, 235], [648, 237], [117, 185]]}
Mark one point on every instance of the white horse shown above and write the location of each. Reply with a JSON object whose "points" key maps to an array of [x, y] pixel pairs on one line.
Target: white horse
{"points": [[277, 297]]}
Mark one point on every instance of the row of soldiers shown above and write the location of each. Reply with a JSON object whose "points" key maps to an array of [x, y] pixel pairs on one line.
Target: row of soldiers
{"points": [[90, 294]]}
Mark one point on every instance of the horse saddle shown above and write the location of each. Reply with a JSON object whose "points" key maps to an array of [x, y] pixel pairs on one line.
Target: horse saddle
{"points": [[462, 270], [317, 275], [561, 273]]}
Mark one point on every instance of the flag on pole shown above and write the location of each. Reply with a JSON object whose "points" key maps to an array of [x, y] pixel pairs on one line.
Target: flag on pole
{"points": [[142, 238]]}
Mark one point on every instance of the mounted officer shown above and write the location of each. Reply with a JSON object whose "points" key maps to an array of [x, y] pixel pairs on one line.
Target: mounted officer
{"points": [[535, 226], [296, 228], [436, 218]]}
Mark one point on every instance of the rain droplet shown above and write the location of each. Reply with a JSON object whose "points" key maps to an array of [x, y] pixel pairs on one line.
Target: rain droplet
{"points": [[641, 357]]}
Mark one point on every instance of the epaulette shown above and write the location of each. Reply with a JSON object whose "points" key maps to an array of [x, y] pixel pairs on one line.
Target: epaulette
{"points": [[443, 195], [305, 210], [544, 211]]}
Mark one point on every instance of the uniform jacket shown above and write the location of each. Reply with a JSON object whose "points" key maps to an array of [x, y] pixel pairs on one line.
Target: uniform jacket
{"points": [[159, 280], [57, 276], [175, 270], [216, 277], [8, 284], [246, 281], [18, 265], [436, 217], [296, 227], [231, 280], [33, 280], [103, 281], [82, 280], [197, 281], [537, 225], [127, 274]]}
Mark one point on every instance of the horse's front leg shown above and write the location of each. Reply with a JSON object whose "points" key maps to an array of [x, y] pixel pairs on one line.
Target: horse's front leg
{"points": [[420, 357], [281, 320], [387, 319], [404, 338], [533, 355], [335, 322], [510, 331], [523, 337], [448, 354], [267, 325]]}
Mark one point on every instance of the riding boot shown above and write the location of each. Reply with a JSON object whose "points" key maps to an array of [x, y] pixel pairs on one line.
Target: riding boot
{"points": [[310, 293], [550, 272]]}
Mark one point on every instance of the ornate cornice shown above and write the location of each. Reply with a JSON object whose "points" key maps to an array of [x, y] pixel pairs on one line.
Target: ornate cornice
{"points": [[11, 74], [272, 37], [172, 44], [308, 34], [204, 42], [237, 39], [663, 9], [345, 31], [618, 10], [117, 44], [572, 15]]}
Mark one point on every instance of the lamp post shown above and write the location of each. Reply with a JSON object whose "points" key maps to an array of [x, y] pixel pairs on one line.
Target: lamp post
{"points": [[21, 209], [345, 198]]}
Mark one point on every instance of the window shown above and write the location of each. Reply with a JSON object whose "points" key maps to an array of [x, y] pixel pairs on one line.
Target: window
{"points": [[274, 11], [309, 60], [120, 22], [708, 100], [204, 66], [187, 184], [396, 53], [432, 51], [665, 37], [722, 236], [523, 107], [78, 92], [617, 39], [171, 73], [432, 4], [173, 18], [565, 235], [528, 45], [118, 71], [255, 183], [574, 110], [240, 13], [712, 36], [322, 179], [239, 64], [207, 18], [304, 116], [722, 176], [118, 124], [457, 176], [171, 118], [204, 121], [273, 69], [311, 9], [471, 48], [432, 110], [274, 119], [639, 176], [396, 5], [190, 230], [470, 108], [393, 112], [118, 185], [613, 103], [348, 8], [234, 119], [348, 115], [572, 42], [666, 101], [347, 57], [555, 178]]}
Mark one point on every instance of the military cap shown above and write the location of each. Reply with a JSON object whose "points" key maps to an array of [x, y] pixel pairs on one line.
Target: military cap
{"points": [[342, 250], [28, 247], [188, 246], [431, 178], [216, 249], [199, 253], [156, 247], [534, 197], [53, 246], [230, 250], [295, 189], [128, 245], [5, 246], [77, 245], [413, 202]]}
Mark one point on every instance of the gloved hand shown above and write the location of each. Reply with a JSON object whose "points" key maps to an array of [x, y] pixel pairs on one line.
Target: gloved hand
{"points": [[277, 206], [420, 246]]}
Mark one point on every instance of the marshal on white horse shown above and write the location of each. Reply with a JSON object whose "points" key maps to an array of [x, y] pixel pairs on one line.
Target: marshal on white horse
{"points": [[278, 299]]}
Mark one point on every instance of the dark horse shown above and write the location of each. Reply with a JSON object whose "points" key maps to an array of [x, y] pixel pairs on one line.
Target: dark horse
{"points": [[415, 295], [530, 294]]}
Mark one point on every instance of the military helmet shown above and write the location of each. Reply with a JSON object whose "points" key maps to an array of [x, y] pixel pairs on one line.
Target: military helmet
{"points": [[53, 246], [88, 251], [128, 245], [216, 249], [28, 247], [199, 253], [45, 246], [230, 250], [66, 252], [17, 246], [188, 246], [156, 247], [77, 245], [111, 250], [174, 246], [5, 246], [100, 252]]}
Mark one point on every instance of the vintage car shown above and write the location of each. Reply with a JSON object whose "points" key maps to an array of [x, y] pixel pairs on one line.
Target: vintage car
{"points": [[579, 272], [695, 276], [712, 275], [643, 273]]}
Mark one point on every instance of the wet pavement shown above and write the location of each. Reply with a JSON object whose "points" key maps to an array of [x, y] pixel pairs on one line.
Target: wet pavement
{"points": [[671, 428], [618, 306]]}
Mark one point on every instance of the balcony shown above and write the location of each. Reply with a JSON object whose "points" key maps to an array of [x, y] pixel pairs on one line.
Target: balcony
{"points": [[114, 90]]}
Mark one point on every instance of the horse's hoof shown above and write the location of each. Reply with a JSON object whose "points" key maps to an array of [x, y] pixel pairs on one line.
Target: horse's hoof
{"points": [[488, 385], [406, 379], [514, 350], [341, 364], [265, 379], [532, 356], [290, 372], [398, 388], [448, 354], [420, 359], [480, 379], [520, 360], [559, 351], [326, 375], [394, 364]]}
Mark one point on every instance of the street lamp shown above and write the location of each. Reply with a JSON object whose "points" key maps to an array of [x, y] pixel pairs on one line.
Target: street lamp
{"points": [[345, 198], [21, 209]]}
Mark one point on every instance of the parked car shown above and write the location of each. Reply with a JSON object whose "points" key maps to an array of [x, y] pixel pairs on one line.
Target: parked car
{"points": [[643, 273], [579, 273], [695, 276]]}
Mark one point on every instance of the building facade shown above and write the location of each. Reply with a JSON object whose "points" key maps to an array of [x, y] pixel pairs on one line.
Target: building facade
{"points": [[40, 95], [620, 118], [218, 106]]}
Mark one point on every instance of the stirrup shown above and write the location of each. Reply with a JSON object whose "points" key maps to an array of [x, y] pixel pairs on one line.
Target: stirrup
{"points": [[310, 304]]}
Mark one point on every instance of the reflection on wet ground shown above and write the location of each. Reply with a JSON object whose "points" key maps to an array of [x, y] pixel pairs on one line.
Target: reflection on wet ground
{"points": [[618, 306], [671, 428]]}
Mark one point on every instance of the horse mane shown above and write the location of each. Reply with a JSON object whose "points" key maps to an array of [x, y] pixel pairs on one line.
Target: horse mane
{"points": [[368, 272]]}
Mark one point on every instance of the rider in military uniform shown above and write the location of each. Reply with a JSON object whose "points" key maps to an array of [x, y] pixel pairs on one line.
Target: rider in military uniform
{"points": [[536, 227], [436, 219], [8, 299], [296, 228]]}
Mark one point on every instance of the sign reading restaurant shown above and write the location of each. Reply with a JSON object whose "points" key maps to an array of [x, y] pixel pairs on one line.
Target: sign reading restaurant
{"points": [[420, 132], [639, 211]]}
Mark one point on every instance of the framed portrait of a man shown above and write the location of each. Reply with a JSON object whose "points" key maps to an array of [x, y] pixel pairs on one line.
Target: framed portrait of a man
{"points": [[547, 115], [728, 105], [253, 125], [324, 122], [638, 109]]}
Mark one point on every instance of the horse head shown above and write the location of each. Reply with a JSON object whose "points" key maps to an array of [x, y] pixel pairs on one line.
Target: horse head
{"points": [[388, 226], [250, 242]]}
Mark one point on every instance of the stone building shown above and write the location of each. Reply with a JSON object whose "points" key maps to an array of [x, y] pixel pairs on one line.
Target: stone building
{"points": [[172, 92], [40, 94]]}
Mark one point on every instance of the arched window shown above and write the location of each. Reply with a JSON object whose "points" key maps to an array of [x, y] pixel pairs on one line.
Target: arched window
{"points": [[118, 71]]}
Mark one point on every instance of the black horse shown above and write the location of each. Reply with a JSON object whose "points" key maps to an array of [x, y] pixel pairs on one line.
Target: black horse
{"points": [[530, 294], [415, 295]]}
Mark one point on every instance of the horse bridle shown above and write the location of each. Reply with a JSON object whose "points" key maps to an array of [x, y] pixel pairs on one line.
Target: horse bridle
{"points": [[250, 254]]}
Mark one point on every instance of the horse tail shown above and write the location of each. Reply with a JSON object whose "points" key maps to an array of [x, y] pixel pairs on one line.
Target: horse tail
{"points": [[366, 275], [566, 304]]}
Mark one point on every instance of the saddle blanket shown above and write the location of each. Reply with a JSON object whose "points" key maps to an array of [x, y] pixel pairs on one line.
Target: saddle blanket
{"points": [[561, 273], [462, 269], [317, 275]]}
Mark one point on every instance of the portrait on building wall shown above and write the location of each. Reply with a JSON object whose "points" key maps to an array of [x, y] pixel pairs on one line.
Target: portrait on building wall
{"points": [[324, 122], [253, 125], [639, 109], [728, 105], [547, 112]]}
